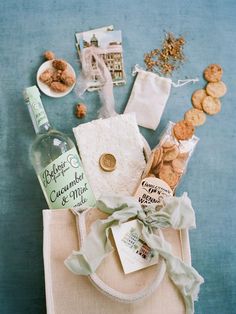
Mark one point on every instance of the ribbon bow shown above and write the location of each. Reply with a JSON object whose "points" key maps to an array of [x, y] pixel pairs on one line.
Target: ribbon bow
{"points": [[177, 213]]}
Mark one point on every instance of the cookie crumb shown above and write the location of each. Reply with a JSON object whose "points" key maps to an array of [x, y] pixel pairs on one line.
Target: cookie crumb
{"points": [[80, 110], [49, 55]]}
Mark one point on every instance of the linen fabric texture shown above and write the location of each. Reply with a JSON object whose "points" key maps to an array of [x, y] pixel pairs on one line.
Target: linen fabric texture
{"points": [[176, 213], [67, 293], [148, 98]]}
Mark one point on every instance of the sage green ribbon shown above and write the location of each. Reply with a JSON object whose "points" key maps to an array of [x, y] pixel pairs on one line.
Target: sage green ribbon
{"points": [[176, 213]]}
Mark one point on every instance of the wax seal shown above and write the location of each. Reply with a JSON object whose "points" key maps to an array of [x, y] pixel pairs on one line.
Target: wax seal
{"points": [[107, 162]]}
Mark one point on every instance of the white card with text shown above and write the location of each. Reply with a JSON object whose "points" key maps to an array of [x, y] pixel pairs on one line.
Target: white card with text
{"points": [[134, 253]]}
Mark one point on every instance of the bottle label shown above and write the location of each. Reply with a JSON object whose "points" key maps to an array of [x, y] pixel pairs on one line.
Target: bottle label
{"points": [[32, 98], [152, 191], [64, 183], [38, 111]]}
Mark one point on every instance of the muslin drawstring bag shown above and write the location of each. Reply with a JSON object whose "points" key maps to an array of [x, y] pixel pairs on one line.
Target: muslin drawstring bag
{"points": [[149, 97]]}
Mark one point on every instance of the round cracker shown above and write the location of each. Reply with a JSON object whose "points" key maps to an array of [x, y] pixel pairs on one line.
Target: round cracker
{"points": [[178, 165], [183, 156], [156, 170], [148, 166], [168, 175], [213, 73], [158, 154], [196, 116], [171, 154], [183, 130], [168, 144], [217, 89], [211, 105], [197, 98], [152, 175]]}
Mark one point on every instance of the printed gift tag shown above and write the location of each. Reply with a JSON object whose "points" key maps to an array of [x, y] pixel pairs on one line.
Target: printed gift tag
{"points": [[152, 191], [134, 253]]}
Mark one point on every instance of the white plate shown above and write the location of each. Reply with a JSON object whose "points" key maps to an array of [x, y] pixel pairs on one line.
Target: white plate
{"points": [[45, 88]]}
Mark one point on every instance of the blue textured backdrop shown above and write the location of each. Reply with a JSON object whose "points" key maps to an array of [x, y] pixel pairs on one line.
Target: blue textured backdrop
{"points": [[27, 28]]}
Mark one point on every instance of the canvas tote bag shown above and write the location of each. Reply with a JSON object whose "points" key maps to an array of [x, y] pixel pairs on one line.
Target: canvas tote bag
{"points": [[73, 294]]}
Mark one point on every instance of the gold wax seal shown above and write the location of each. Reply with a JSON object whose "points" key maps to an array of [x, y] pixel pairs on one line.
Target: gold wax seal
{"points": [[107, 162]]}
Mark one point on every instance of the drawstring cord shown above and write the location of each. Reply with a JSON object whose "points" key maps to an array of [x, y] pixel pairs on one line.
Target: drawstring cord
{"points": [[184, 82], [137, 68]]}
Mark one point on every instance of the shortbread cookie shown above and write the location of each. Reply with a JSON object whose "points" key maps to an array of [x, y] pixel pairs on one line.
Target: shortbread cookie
{"points": [[211, 105], [196, 116], [151, 175], [183, 156], [158, 154], [156, 170], [168, 145], [197, 98], [183, 130], [171, 153], [217, 89], [148, 166], [178, 165], [168, 175], [213, 73]]}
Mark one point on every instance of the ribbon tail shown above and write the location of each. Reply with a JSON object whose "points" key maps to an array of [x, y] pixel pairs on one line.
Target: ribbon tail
{"points": [[95, 248], [106, 92], [96, 245], [186, 279]]}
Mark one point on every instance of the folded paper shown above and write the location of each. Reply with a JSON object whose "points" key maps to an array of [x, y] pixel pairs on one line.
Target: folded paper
{"points": [[120, 137]]}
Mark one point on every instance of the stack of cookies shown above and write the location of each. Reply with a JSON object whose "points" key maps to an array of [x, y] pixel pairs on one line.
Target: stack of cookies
{"points": [[169, 159], [206, 101]]}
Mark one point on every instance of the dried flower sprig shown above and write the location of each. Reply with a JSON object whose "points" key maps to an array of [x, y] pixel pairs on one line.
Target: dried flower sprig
{"points": [[168, 58]]}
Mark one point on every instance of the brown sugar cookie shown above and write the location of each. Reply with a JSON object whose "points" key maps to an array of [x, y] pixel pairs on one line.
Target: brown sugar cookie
{"points": [[217, 89], [58, 87], [196, 116], [168, 175], [171, 154], [46, 77], [213, 73], [197, 98], [211, 105], [183, 130], [59, 64]]}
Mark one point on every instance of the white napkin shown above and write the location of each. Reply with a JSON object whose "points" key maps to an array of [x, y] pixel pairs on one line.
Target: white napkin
{"points": [[120, 136]]}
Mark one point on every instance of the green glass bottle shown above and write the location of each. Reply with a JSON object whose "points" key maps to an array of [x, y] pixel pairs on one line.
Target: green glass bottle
{"points": [[56, 161]]}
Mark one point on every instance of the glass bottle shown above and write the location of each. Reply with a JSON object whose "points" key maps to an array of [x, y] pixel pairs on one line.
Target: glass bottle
{"points": [[56, 160]]}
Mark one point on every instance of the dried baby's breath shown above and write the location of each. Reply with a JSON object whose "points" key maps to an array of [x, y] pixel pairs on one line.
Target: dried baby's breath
{"points": [[168, 58]]}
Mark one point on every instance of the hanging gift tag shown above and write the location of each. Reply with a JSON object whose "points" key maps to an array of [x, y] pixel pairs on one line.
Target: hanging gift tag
{"points": [[134, 253], [152, 191]]}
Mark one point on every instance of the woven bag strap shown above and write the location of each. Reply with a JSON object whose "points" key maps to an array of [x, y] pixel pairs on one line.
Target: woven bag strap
{"points": [[111, 292]]}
